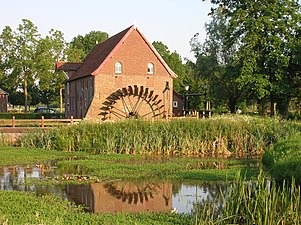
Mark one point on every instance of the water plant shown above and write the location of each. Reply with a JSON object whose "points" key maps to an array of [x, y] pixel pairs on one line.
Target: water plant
{"points": [[220, 136], [258, 201]]}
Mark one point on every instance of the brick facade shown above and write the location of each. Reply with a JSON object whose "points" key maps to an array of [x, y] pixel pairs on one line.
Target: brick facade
{"points": [[93, 96]]}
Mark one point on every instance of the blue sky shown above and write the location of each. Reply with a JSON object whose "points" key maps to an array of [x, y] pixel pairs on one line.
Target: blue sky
{"points": [[173, 22]]}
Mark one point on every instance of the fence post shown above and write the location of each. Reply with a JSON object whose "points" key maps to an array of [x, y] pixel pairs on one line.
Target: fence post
{"points": [[14, 121], [71, 119], [43, 122]]}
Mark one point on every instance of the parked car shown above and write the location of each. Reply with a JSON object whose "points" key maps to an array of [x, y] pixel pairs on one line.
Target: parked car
{"points": [[44, 110]]}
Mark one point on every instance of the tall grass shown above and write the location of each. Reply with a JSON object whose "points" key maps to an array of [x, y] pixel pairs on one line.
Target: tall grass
{"points": [[259, 201], [239, 136], [283, 161]]}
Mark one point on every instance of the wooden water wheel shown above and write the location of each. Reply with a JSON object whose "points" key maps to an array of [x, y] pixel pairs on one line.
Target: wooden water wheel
{"points": [[133, 102]]}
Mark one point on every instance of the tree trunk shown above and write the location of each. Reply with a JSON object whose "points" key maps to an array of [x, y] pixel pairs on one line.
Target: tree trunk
{"points": [[264, 107], [232, 104], [61, 98], [286, 108], [272, 102]]}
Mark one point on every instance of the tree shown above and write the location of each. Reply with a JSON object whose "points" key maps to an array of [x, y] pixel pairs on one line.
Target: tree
{"points": [[19, 56], [7, 43], [80, 46], [263, 32], [49, 49], [175, 63], [216, 64]]}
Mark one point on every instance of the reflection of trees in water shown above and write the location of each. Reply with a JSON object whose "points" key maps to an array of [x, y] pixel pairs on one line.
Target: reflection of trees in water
{"points": [[142, 193]]}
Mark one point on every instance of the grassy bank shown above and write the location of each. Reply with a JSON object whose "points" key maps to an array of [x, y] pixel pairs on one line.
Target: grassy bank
{"points": [[25, 208], [11, 156], [221, 136], [137, 167], [121, 166], [284, 161]]}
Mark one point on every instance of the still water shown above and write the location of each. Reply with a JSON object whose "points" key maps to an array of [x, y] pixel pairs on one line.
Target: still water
{"points": [[118, 196]]}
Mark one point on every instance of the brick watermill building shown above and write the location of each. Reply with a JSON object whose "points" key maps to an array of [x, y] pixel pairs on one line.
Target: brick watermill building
{"points": [[122, 77]]}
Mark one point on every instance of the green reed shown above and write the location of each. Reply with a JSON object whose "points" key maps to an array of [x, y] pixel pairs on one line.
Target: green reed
{"points": [[222, 136], [259, 201]]}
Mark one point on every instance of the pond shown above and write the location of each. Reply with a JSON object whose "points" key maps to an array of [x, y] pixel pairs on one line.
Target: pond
{"points": [[116, 196]]}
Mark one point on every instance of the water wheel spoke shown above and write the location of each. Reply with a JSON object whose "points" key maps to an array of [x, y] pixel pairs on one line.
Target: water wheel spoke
{"points": [[137, 109], [134, 109], [130, 102], [119, 111], [125, 105], [149, 113], [120, 116]]}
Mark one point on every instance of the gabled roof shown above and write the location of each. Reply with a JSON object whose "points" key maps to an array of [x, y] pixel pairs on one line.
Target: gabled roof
{"points": [[102, 52], [178, 95], [67, 66]]}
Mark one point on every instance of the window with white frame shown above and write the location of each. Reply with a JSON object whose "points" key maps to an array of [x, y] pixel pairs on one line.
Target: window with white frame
{"points": [[150, 68], [118, 68], [175, 104]]}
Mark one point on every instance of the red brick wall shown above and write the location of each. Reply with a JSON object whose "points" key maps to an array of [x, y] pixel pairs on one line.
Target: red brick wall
{"points": [[134, 54]]}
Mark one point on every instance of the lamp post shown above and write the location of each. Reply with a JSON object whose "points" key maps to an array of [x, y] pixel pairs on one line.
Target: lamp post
{"points": [[205, 101], [186, 99]]}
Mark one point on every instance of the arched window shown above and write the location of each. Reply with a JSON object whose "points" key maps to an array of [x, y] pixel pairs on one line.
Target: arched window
{"points": [[118, 67], [150, 68]]}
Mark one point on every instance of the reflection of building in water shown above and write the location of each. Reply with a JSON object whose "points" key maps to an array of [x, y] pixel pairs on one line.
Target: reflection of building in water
{"points": [[122, 196]]}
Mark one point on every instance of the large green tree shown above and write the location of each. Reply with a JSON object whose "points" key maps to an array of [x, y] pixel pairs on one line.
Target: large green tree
{"points": [[174, 61], [80, 46], [7, 43], [217, 64], [49, 49], [28, 64], [263, 33], [22, 58]]}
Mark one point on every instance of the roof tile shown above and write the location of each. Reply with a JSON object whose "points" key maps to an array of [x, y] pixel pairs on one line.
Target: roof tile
{"points": [[98, 54]]}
